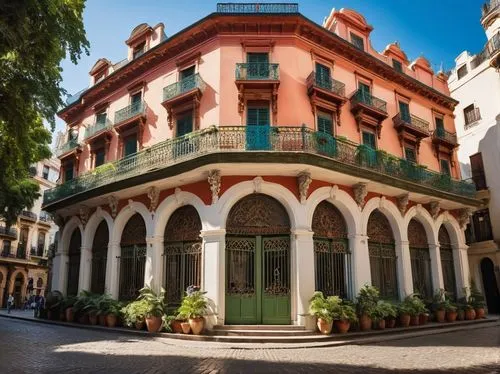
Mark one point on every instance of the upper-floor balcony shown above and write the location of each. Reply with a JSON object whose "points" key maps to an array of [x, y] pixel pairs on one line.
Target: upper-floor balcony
{"points": [[186, 87], [27, 215], [130, 113], [100, 126], [67, 147], [411, 124], [257, 71], [493, 48], [369, 102], [489, 8], [289, 142], [445, 138], [245, 8], [325, 88], [45, 217], [11, 232]]}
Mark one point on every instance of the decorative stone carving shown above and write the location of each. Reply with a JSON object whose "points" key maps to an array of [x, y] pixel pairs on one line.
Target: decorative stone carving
{"points": [[177, 194], [154, 196], [434, 209], [257, 184], [360, 193], [214, 180], [403, 203], [464, 216], [113, 205], [304, 180], [328, 222], [333, 192], [183, 225], [84, 214], [381, 203]]}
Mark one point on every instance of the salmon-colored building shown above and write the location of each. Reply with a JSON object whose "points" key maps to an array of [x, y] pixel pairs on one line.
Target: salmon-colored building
{"points": [[262, 157]]}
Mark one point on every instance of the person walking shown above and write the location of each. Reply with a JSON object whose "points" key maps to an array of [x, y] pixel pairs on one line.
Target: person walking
{"points": [[10, 303]]}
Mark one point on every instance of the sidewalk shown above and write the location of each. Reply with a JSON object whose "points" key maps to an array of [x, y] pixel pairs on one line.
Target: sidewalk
{"points": [[353, 338]]}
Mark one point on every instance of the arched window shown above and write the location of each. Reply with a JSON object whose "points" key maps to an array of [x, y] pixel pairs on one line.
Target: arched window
{"points": [[74, 253], [182, 253], [447, 263], [133, 258], [331, 251], [382, 252], [420, 259], [99, 258]]}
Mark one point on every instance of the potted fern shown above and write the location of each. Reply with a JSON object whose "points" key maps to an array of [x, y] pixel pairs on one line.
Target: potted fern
{"points": [[154, 307], [451, 311], [367, 299], [406, 310], [194, 306], [343, 315], [381, 313], [476, 299], [322, 308], [134, 313]]}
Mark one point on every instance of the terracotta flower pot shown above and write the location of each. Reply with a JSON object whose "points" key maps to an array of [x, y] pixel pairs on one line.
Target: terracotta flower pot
{"points": [[70, 315], [93, 319], [111, 320], [62, 317], [365, 322], [186, 328], [176, 326], [422, 318], [404, 320], [139, 325], [390, 323], [102, 319], [470, 314], [451, 316], [480, 313], [197, 325], [83, 319], [440, 315], [324, 327], [342, 326], [460, 315], [379, 325], [153, 323], [414, 320]]}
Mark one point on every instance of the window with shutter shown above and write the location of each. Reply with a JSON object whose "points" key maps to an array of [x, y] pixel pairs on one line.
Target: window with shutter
{"points": [[99, 157], [68, 171], [369, 139], [477, 169], [404, 110], [410, 154], [100, 118], [439, 123], [325, 123], [130, 146], [397, 65], [258, 116], [185, 124], [262, 58], [323, 76], [187, 72], [357, 41], [136, 98], [258, 65], [445, 167]]}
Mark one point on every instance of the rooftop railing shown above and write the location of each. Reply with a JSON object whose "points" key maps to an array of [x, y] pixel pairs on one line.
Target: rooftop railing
{"points": [[368, 99], [130, 111], [239, 139], [326, 83], [412, 121], [447, 136], [184, 85], [257, 8], [66, 147], [257, 71], [29, 215], [98, 126]]}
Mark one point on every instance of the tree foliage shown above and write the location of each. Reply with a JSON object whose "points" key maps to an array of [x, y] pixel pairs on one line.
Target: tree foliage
{"points": [[35, 36]]}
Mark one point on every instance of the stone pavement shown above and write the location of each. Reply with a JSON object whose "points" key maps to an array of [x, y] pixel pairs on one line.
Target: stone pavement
{"points": [[30, 347]]}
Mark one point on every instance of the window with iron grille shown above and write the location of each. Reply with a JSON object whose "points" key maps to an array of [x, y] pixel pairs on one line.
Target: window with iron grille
{"points": [[74, 253], [325, 123], [471, 114], [445, 167], [447, 262], [410, 154], [41, 243], [357, 41], [477, 170], [99, 258], [462, 71]]}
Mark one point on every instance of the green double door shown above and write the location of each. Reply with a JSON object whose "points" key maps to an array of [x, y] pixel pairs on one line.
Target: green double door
{"points": [[258, 280]]}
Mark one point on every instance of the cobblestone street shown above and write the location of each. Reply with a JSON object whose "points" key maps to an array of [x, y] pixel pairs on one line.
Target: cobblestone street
{"points": [[29, 347]]}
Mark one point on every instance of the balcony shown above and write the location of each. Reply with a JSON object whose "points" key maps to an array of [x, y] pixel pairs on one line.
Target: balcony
{"points": [[37, 251], [325, 91], [29, 216], [10, 232], [45, 217], [183, 87], [232, 140], [488, 10], [368, 110], [130, 113], [411, 128], [67, 147], [99, 128], [257, 71], [444, 138], [259, 8], [493, 48]]}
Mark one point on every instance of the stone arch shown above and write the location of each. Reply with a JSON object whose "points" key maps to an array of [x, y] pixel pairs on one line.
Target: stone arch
{"points": [[182, 253], [420, 258], [99, 254], [457, 238], [68, 229], [423, 216], [12, 280], [94, 221], [284, 196], [391, 213], [74, 261], [124, 216]]}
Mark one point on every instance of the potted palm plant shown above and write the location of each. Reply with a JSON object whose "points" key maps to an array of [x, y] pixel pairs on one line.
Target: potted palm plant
{"points": [[418, 308], [67, 306], [381, 312], [390, 311], [176, 324], [367, 299], [322, 307], [155, 307], [103, 302], [343, 315], [194, 307], [53, 304], [91, 309]]}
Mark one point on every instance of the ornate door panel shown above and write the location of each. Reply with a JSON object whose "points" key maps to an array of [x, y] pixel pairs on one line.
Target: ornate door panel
{"points": [[132, 266]]}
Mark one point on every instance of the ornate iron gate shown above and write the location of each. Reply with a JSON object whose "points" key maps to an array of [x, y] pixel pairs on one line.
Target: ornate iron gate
{"points": [[99, 258], [74, 253], [420, 259], [447, 263], [132, 266]]}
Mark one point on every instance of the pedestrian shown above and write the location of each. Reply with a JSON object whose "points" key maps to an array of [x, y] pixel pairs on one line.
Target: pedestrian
{"points": [[10, 303]]}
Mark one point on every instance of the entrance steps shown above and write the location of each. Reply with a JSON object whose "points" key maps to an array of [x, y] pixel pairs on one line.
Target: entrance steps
{"points": [[262, 330]]}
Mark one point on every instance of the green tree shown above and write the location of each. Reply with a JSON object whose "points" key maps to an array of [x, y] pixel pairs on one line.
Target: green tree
{"points": [[35, 36]]}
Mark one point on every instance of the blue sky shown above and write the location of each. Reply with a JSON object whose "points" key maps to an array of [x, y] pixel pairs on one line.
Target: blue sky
{"points": [[438, 29]]}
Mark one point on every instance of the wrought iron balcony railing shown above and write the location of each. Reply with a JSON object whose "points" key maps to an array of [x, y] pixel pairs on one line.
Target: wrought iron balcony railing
{"points": [[447, 136], [66, 147], [11, 231], [493, 45], [29, 215], [45, 217], [184, 85], [412, 121], [257, 71], [326, 83], [367, 98], [37, 251], [247, 139], [130, 111], [97, 127], [278, 8]]}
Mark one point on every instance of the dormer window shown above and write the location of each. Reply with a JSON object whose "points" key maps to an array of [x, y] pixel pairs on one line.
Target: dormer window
{"points": [[139, 50], [99, 78], [357, 41], [398, 66], [462, 72]]}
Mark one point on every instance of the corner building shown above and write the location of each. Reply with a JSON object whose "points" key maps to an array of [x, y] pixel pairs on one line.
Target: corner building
{"points": [[262, 157]]}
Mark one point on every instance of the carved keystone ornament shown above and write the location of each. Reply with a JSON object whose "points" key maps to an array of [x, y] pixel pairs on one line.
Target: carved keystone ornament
{"points": [[214, 181], [360, 193], [403, 203], [154, 196], [304, 181], [113, 205]]}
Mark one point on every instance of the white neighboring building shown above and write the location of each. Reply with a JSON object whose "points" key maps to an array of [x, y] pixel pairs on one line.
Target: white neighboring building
{"points": [[475, 83]]}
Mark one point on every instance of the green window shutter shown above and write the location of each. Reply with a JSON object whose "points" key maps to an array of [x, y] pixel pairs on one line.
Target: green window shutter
{"points": [[397, 65], [101, 118], [325, 124], [258, 116], [445, 167], [185, 124], [410, 154], [364, 88], [187, 72], [439, 123], [369, 139], [322, 75], [258, 57], [99, 157], [136, 98], [130, 146], [404, 109], [68, 171]]}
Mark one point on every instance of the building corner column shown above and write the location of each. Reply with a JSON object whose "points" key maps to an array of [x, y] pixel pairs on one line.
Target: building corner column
{"points": [[85, 269], [154, 262], [462, 272], [113, 269]]}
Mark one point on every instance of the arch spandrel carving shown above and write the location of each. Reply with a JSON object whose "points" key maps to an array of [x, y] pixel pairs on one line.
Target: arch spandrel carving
{"points": [[183, 225], [379, 229], [328, 221], [134, 232], [417, 236]]}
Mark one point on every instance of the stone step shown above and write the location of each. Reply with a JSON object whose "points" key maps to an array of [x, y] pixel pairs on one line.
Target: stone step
{"points": [[261, 327], [266, 332]]}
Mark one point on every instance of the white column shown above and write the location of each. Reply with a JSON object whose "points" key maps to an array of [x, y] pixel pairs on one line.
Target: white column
{"points": [[112, 269], [361, 273], [154, 262], [405, 280], [213, 273], [436, 268], [303, 254], [85, 269], [60, 272], [461, 262]]}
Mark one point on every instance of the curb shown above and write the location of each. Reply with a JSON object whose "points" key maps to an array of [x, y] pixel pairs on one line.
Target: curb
{"points": [[357, 338]]}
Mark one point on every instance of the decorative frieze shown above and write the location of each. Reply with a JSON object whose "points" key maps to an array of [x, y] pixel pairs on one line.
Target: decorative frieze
{"points": [[214, 181], [304, 181], [360, 193]]}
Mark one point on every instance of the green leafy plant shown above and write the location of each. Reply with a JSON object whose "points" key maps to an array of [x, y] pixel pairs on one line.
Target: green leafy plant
{"points": [[167, 320], [155, 301], [194, 305], [135, 311], [343, 312], [383, 310], [439, 300], [323, 307], [476, 298], [415, 304], [367, 300]]}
